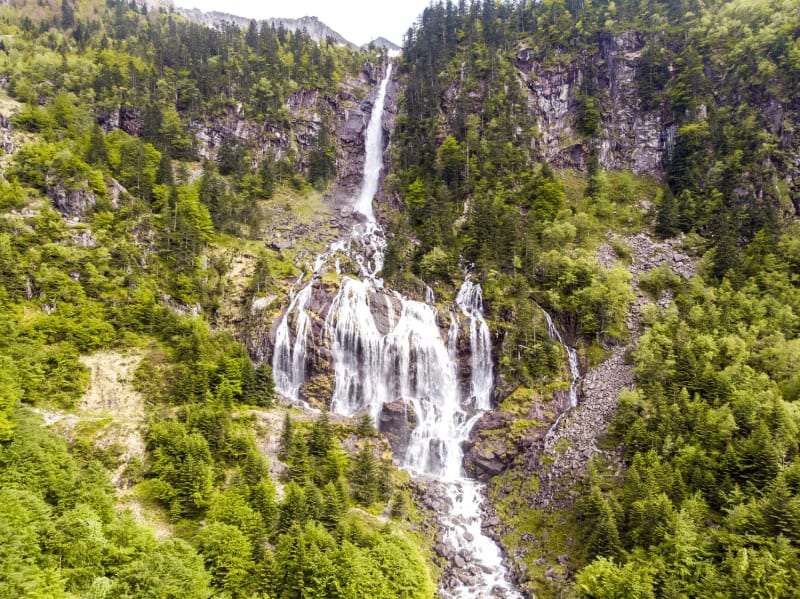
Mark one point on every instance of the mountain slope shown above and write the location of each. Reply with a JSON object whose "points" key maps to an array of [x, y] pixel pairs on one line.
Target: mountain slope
{"points": [[529, 138], [150, 165]]}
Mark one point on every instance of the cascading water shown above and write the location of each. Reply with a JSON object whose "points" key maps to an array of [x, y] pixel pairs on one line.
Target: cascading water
{"points": [[405, 359], [572, 359], [470, 300], [289, 358]]}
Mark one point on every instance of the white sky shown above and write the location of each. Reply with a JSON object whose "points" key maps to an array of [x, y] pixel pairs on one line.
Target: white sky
{"points": [[359, 21]]}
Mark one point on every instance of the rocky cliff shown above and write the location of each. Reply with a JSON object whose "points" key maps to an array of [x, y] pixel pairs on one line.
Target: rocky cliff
{"points": [[628, 136]]}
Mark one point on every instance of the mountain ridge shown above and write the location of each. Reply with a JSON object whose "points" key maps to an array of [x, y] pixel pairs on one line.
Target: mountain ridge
{"points": [[316, 29]]}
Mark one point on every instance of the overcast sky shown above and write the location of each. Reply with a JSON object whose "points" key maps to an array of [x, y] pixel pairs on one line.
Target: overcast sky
{"points": [[359, 21]]}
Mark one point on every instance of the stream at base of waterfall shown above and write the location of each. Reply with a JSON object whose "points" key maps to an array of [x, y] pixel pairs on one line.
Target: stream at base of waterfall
{"points": [[416, 362]]}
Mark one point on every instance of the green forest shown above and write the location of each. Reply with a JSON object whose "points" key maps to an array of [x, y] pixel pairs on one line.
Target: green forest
{"points": [[112, 235], [148, 162], [706, 504]]}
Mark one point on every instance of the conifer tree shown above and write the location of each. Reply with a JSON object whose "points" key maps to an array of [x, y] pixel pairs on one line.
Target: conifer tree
{"points": [[321, 436], [298, 461], [287, 438], [364, 476]]}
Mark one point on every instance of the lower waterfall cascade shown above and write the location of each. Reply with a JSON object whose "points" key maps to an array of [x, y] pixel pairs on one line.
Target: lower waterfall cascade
{"points": [[415, 361]]}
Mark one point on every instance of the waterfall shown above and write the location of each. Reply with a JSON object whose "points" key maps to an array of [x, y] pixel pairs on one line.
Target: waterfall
{"points": [[430, 298], [572, 359], [289, 359], [405, 357], [470, 300], [373, 161]]}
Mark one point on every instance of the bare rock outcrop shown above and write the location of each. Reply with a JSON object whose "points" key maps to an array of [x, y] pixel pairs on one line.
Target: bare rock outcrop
{"points": [[629, 137], [397, 420], [73, 204]]}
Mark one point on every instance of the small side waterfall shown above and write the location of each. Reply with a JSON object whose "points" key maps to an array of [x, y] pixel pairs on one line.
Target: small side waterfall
{"points": [[406, 357], [572, 359]]}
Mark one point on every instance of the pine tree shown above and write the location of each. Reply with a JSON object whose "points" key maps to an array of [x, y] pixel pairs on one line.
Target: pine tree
{"points": [[293, 508], [299, 466], [667, 221], [321, 436], [97, 153], [258, 386], [399, 505], [262, 498], [287, 438], [365, 425], [334, 507], [364, 477], [384, 482], [604, 540]]}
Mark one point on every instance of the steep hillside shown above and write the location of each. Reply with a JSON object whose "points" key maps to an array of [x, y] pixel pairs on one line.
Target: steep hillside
{"points": [[550, 147], [548, 256], [159, 182]]}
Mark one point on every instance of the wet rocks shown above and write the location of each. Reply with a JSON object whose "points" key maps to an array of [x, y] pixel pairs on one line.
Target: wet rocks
{"points": [[386, 310], [318, 390], [397, 420], [489, 450]]}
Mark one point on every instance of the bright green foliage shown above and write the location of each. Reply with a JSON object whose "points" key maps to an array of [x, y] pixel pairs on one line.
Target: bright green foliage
{"points": [[709, 437], [287, 438], [384, 566], [365, 425], [321, 439], [228, 558], [111, 95], [182, 467], [173, 570], [364, 476], [10, 394], [603, 579]]}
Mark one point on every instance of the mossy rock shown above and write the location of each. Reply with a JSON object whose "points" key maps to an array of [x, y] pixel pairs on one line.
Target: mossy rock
{"points": [[318, 390]]}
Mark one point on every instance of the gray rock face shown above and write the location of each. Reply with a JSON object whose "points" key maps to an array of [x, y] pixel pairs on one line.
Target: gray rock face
{"points": [[385, 310], [382, 42], [351, 132], [350, 151], [396, 422], [73, 204], [629, 138], [487, 455]]}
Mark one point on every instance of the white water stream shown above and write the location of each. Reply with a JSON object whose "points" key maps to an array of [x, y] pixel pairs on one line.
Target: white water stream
{"points": [[411, 362], [572, 360]]}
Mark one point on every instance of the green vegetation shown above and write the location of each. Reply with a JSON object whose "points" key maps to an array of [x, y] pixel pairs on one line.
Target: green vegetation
{"points": [[113, 238], [150, 150], [705, 506]]}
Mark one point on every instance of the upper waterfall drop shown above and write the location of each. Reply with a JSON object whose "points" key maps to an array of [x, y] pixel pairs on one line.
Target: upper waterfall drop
{"points": [[373, 161]]}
